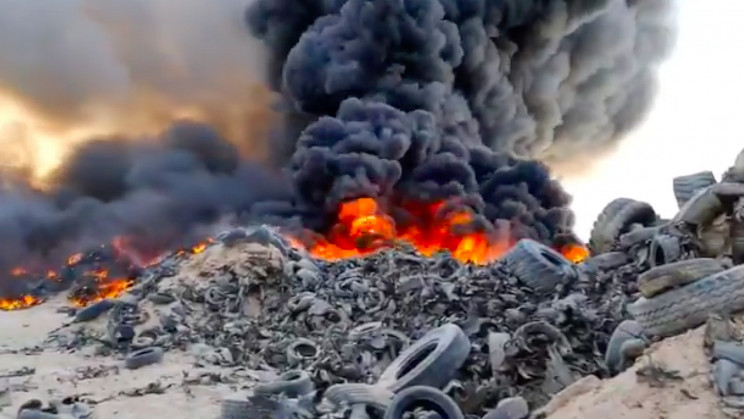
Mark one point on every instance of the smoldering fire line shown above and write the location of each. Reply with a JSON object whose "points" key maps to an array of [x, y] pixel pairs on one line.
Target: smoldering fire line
{"points": [[428, 99]]}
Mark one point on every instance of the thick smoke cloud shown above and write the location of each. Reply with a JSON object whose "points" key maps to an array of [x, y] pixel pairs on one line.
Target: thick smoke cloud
{"points": [[441, 99], [72, 68], [162, 191], [395, 99]]}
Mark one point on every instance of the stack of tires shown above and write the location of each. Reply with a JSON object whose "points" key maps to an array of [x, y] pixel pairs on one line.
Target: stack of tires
{"points": [[687, 261]]}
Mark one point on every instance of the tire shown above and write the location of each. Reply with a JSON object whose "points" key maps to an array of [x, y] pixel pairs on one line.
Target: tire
{"points": [[637, 236], [607, 261], [737, 233], [432, 361], [349, 394], [685, 187], [689, 306], [509, 408], [239, 406], [36, 414], [293, 384], [537, 266], [93, 311], [616, 219], [665, 277], [144, 357], [302, 350], [614, 356], [665, 249], [709, 203], [431, 398]]}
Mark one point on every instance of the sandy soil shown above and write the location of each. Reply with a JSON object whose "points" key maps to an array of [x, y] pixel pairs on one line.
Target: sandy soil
{"points": [[627, 396], [101, 379]]}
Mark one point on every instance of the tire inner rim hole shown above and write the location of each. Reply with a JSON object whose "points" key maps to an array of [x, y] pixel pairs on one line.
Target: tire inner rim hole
{"points": [[306, 350], [417, 358], [659, 256], [552, 258], [425, 405], [292, 376]]}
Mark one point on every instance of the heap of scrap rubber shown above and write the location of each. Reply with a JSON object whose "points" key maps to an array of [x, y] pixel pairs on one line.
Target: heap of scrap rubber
{"points": [[688, 270], [382, 324]]}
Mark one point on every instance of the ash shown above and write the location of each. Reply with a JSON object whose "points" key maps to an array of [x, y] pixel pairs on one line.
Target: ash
{"points": [[259, 304]]}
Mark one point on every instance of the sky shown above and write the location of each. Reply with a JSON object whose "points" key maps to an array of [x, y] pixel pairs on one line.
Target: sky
{"points": [[695, 124]]}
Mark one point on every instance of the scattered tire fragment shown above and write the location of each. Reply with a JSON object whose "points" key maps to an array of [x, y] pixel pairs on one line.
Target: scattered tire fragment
{"points": [[373, 396], [293, 383], [614, 357], [639, 235], [685, 187], [509, 408], [733, 351], [432, 360], [687, 307], [616, 219], [607, 261], [538, 266], [664, 249], [93, 311], [665, 277], [430, 398], [143, 357]]}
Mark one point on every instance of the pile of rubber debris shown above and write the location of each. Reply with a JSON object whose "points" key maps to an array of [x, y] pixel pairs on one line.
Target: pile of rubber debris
{"points": [[367, 335], [688, 269]]}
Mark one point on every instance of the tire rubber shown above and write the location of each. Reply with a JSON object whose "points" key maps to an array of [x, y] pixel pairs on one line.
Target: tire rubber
{"points": [[432, 361], [664, 249], [687, 307], [373, 396], [685, 187], [143, 357], [293, 383], [430, 398], [665, 277], [625, 331], [537, 266], [616, 219]]}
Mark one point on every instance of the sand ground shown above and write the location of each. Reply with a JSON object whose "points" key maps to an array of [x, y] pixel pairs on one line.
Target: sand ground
{"points": [[183, 394]]}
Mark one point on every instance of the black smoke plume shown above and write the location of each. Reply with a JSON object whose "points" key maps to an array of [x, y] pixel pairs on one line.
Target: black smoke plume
{"points": [[435, 99], [395, 99]]}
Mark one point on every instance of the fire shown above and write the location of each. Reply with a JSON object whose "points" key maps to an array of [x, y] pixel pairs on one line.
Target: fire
{"points": [[105, 287], [576, 253], [363, 227], [26, 301]]}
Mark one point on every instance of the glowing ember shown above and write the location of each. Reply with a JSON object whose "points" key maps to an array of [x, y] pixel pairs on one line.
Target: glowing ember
{"points": [[74, 259], [9, 304], [576, 253], [18, 271], [363, 227]]}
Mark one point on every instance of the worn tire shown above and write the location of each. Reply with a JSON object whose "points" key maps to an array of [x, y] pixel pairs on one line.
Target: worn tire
{"points": [[94, 311], [615, 220], [637, 236], [665, 277], [143, 357], [607, 261], [431, 398], [349, 394], [509, 408], [293, 383], [664, 249], [537, 266], [689, 306], [685, 187], [614, 357], [432, 361]]}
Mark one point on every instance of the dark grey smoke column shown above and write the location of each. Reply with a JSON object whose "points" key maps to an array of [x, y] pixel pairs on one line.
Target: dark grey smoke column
{"points": [[442, 98]]}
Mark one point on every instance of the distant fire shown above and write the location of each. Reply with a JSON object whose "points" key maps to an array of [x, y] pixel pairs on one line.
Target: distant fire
{"points": [[102, 277], [25, 301], [576, 253]]}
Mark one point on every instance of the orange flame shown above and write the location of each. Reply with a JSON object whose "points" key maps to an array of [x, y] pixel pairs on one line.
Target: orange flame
{"points": [[26, 301], [576, 253], [363, 227], [104, 288]]}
